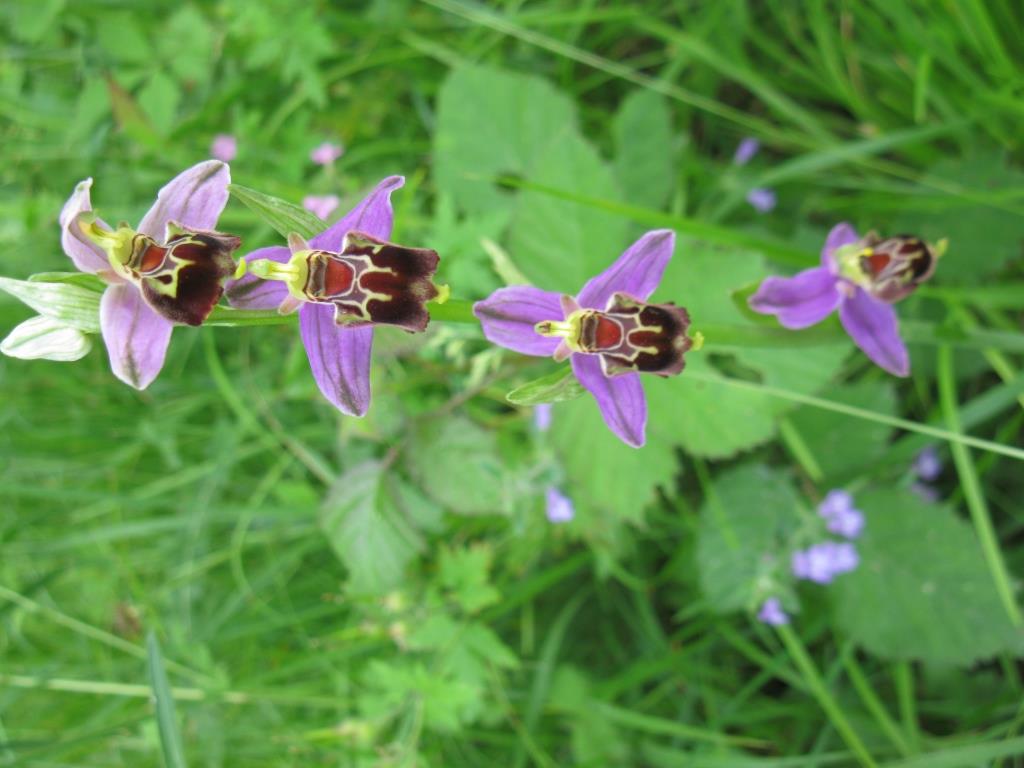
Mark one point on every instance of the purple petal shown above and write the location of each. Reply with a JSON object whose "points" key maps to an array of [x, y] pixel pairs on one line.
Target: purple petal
{"points": [[135, 335], [86, 255], [849, 523], [542, 416], [224, 147], [771, 613], [252, 293], [193, 198], [836, 502], [373, 216], [874, 328], [509, 314], [840, 235], [339, 357], [928, 463], [620, 398], [559, 507], [636, 272], [799, 301], [746, 151], [326, 153], [761, 199]]}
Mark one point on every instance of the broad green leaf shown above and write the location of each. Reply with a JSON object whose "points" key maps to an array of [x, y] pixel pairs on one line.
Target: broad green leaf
{"points": [[47, 339], [556, 387], [645, 149], [67, 303], [839, 443], [922, 590], [456, 463], [166, 719], [282, 216], [159, 99], [368, 526], [466, 573], [746, 521]]}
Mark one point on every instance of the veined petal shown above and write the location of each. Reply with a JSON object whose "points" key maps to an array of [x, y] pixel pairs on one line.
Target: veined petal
{"points": [[373, 215], [620, 398], [636, 272], [250, 292], [874, 328], [194, 198], [135, 335], [86, 255], [508, 317], [339, 358], [799, 301], [840, 235]]}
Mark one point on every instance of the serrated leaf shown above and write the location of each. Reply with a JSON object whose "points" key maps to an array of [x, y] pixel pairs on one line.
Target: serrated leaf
{"points": [[65, 302], [457, 465], [922, 590], [47, 339], [645, 159], [282, 216], [745, 522], [556, 387], [368, 528]]}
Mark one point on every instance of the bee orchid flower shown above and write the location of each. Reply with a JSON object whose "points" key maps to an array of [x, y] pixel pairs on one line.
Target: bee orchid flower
{"points": [[170, 269], [608, 331], [343, 282], [862, 278]]}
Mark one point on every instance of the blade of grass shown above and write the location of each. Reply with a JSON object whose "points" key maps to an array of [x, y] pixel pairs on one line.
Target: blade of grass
{"points": [[972, 488], [875, 706], [166, 720]]}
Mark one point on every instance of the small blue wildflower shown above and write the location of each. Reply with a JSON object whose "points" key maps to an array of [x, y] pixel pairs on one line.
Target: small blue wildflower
{"points": [[542, 417], [840, 515], [928, 464], [746, 151], [822, 562], [771, 613], [761, 199], [560, 508]]}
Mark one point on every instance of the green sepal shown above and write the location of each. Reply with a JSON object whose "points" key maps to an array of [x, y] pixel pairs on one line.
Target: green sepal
{"points": [[556, 387], [283, 216], [67, 303]]}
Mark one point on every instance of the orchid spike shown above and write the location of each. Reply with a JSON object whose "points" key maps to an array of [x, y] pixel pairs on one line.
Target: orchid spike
{"points": [[608, 331], [861, 277], [170, 269], [343, 282]]}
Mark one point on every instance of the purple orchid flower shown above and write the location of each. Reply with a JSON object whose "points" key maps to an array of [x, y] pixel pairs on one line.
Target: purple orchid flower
{"points": [[772, 613], [152, 286], [344, 281], [607, 330], [861, 277]]}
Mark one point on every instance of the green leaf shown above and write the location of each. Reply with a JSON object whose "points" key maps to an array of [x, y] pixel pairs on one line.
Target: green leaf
{"points": [[457, 464], [746, 521], [371, 528], [166, 720], [65, 302], [282, 216], [645, 160], [465, 572], [922, 590], [159, 99], [47, 339], [556, 387]]}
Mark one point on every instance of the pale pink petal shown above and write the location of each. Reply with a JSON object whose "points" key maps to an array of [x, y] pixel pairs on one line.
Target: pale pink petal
{"points": [[194, 198], [86, 255], [250, 292], [373, 215], [339, 357], [135, 335]]}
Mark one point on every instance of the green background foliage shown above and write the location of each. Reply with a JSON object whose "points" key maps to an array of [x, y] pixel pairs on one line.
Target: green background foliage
{"points": [[222, 570]]}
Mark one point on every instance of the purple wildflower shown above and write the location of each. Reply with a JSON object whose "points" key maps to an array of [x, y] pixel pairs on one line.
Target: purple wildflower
{"points": [[321, 206], [607, 330], [346, 280], [761, 199], [542, 417], [928, 464], [822, 562], [838, 511], [559, 507], [326, 153], [224, 147], [746, 150], [169, 270], [772, 613], [926, 492], [860, 277]]}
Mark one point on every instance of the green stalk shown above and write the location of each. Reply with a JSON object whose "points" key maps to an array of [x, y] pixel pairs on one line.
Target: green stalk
{"points": [[818, 688], [972, 489], [874, 705]]}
